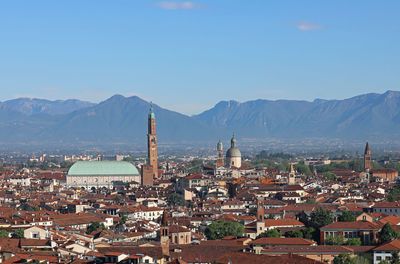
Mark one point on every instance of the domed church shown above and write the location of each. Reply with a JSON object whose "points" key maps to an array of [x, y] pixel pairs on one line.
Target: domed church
{"points": [[233, 155]]}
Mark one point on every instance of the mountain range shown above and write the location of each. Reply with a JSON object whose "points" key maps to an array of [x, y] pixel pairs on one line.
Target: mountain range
{"points": [[122, 120]]}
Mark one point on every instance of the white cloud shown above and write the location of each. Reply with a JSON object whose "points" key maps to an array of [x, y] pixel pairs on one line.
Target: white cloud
{"points": [[307, 25], [173, 5]]}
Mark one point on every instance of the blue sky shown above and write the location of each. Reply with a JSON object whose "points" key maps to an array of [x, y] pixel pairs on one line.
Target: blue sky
{"points": [[188, 55]]}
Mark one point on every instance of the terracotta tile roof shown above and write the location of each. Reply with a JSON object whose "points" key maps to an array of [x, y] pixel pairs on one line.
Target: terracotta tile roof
{"points": [[177, 229], [306, 249], [282, 241], [241, 257], [357, 225], [387, 205], [391, 219], [283, 222], [9, 245], [389, 246]]}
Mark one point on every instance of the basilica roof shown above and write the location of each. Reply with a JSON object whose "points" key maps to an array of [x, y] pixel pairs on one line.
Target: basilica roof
{"points": [[85, 168]]}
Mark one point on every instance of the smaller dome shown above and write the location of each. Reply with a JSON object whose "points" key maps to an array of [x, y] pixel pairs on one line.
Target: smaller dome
{"points": [[233, 142], [219, 145], [233, 152]]}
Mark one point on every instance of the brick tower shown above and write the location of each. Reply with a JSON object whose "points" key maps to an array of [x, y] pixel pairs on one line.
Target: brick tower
{"points": [[152, 143], [260, 224], [164, 234], [367, 158], [220, 155]]}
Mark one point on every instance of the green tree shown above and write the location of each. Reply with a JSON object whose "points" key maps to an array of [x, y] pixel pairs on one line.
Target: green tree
{"points": [[294, 233], [176, 199], [387, 234], [329, 175], [347, 216], [361, 260], [94, 226], [194, 166], [343, 259], [395, 258], [18, 234], [220, 229], [303, 169], [353, 242], [394, 194], [310, 233], [334, 240], [320, 218], [4, 233], [270, 233]]}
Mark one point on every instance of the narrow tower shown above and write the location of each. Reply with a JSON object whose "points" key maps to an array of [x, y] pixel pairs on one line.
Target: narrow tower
{"points": [[220, 155], [367, 158], [152, 142], [164, 234], [260, 224], [292, 175]]}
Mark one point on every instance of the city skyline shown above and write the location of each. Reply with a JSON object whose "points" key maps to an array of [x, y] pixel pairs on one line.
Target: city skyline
{"points": [[188, 55]]}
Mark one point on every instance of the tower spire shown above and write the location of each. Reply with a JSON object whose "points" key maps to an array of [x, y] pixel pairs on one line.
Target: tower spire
{"points": [[152, 142], [367, 158]]}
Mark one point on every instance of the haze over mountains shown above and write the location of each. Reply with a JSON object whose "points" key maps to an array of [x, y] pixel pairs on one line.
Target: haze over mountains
{"points": [[120, 120]]}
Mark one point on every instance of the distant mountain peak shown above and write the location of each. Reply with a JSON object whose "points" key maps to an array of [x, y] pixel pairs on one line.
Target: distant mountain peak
{"points": [[33, 106]]}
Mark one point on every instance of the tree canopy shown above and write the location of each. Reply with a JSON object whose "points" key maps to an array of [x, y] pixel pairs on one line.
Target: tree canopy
{"points": [[320, 218], [394, 194], [94, 226], [343, 259], [220, 229], [270, 233], [4, 233], [18, 234], [347, 216], [387, 234]]}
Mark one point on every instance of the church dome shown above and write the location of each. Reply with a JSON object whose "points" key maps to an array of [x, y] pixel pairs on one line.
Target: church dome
{"points": [[233, 152]]}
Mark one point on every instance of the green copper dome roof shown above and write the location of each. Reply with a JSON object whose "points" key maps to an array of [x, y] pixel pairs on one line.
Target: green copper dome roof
{"points": [[84, 168], [219, 145]]}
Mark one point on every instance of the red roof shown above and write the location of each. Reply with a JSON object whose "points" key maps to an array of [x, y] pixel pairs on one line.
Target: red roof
{"points": [[357, 225], [389, 246], [283, 222], [282, 241]]}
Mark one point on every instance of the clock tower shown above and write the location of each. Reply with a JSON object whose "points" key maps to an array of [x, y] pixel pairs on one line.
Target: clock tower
{"points": [[152, 143]]}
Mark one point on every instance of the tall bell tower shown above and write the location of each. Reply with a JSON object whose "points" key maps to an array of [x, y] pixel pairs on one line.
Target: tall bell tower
{"points": [[367, 158], [220, 155], [152, 142]]}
